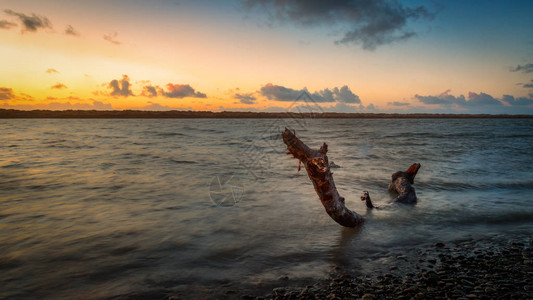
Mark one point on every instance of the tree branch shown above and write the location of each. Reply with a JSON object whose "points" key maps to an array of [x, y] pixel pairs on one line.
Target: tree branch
{"points": [[317, 166]]}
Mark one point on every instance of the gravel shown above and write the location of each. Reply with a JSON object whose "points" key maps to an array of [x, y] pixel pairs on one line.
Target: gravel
{"points": [[461, 270]]}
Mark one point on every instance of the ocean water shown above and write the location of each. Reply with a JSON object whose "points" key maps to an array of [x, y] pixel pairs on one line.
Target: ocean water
{"points": [[100, 208]]}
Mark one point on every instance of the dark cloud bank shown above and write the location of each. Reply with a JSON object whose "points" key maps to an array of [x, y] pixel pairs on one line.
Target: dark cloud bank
{"points": [[281, 93], [478, 103], [371, 23]]}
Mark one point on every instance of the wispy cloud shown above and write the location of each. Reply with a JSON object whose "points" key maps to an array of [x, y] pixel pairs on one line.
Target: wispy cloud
{"points": [[71, 31], [527, 68], [369, 23], [247, 98], [4, 24], [112, 38], [31, 22], [58, 86], [398, 103], [51, 71]]}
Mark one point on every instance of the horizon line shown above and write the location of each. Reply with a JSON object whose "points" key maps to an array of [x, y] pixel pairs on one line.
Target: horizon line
{"points": [[189, 114]]}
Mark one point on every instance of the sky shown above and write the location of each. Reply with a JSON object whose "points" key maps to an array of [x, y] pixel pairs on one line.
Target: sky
{"points": [[261, 55]]}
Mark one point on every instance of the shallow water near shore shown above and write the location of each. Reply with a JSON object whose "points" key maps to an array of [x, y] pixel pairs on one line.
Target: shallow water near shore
{"points": [[101, 208]]}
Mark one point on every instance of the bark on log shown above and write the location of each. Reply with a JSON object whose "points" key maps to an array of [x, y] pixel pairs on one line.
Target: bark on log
{"points": [[318, 169]]}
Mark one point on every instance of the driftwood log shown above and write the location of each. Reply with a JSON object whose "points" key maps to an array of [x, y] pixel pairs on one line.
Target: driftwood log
{"points": [[401, 183], [318, 169]]}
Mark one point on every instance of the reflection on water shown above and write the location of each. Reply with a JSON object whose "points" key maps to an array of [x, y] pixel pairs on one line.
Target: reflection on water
{"points": [[106, 207]]}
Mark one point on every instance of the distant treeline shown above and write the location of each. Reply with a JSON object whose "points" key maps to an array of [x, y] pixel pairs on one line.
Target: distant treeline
{"points": [[176, 114]]}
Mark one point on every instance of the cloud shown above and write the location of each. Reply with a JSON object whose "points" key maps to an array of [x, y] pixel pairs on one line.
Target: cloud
{"points": [[52, 71], [528, 85], [155, 107], [149, 91], [6, 24], [444, 99], [181, 91], [281, 93], [369, 23], [30, 23], [518, 101], [341, 107], [58, 86], [120, 88], [345, 95], [71, 31], [112, 38], [527, 68], [245, 98], [397, 103], [6, 93], [447, 100], [481, 101]]}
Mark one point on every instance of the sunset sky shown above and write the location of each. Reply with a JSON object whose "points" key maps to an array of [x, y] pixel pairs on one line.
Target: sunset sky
{"points": [[258, 55]]}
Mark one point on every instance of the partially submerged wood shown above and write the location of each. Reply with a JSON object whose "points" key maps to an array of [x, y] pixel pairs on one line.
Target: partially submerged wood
{"points": [[318, 169], [401, 184]]}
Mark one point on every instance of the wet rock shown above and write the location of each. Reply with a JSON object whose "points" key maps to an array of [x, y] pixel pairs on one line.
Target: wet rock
{"points": [[279, 291], [367, 297]]}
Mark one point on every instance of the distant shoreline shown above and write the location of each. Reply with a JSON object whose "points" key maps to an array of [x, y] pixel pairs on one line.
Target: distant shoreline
{"points": [[175, 114]]}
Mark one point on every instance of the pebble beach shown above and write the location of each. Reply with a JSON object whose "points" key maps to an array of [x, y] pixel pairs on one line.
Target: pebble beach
{"points": [[457, 270]]}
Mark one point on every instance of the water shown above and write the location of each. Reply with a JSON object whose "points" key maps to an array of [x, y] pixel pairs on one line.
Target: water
{"points": [[99, 208]]}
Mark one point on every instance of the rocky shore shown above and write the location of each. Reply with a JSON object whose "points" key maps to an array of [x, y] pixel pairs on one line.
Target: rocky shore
{"points": [[468, 269], [460, 270]]}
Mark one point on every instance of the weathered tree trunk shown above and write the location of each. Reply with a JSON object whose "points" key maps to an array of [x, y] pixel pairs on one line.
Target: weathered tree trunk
{"points": [[317, 166], [401, 184]]}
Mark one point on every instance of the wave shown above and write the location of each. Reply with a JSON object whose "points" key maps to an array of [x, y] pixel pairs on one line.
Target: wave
{"points": [[183, 161], [171, 134]]}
